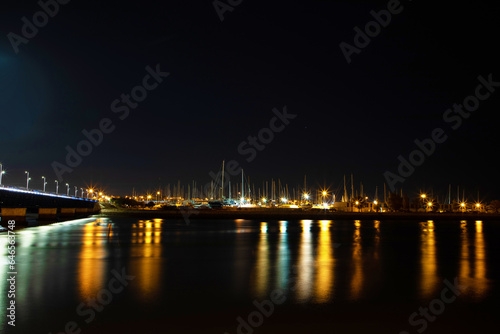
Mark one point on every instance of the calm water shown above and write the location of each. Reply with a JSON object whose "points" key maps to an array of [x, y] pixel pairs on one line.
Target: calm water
{"points": [[244, 276]]}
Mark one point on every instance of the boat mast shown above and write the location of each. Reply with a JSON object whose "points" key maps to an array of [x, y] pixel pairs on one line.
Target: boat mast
{"points": [[242, 187], [222, 196]]}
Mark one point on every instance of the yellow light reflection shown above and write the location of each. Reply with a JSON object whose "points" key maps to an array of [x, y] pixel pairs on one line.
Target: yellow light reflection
{"points": [[376, 225], [262, 264], [91, 263], [147, 259], [324, 264], [473, 261], [305, 262], [357, 277], [428, 260]]}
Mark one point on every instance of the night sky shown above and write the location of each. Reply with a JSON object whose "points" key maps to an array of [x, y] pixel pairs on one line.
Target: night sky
{"points": [[226, 77]]}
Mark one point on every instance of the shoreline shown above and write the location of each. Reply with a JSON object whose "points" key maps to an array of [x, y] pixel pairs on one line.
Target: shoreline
{"points": [[285, 214]]}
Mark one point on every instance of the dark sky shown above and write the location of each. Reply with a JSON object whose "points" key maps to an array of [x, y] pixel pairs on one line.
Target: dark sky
{"points": [[227, 76]]}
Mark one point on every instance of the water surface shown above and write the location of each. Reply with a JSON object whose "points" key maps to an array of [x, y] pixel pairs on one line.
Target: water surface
{"points": [[274, 276]]}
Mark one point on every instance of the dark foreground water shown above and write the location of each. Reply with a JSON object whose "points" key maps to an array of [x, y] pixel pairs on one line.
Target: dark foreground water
{"points": [[244, 276]]}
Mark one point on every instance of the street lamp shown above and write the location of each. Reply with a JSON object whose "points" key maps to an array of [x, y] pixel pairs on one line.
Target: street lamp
{"points": [[90, 191], [82, 192], [462, 205], [57, 187], [1, 173], [67, 189], [44, 183], [76, 190], [27, 179]]}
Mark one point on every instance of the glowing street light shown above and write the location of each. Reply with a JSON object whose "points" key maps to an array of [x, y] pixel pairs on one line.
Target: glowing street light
{"points": [[1, 173], [44, 183], [462, 205], [27, 179], [90, 191], [423, 195]]}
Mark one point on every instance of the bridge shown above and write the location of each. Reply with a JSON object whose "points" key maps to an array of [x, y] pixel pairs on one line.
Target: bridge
{"points": [[16, 203]]}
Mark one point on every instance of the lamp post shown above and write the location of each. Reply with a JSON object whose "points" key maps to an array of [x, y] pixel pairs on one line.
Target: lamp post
{"points": [[76, 190], [82, 192], [44, 183], [57, 187], [67, 189], [27, 179], [1, 173]]}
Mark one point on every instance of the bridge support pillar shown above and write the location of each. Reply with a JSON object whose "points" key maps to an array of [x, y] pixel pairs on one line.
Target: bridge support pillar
{"points": [[47, 213], [68, 212], [82, 211], [14, 213]]}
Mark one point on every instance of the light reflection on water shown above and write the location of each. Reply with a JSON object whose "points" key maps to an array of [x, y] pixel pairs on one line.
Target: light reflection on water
{"points": [[91, 266], [428, 260], [283, 261], [262, 263], [324, 264], [472, 272], [305, 263], [146, 264], [357, 275]]}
